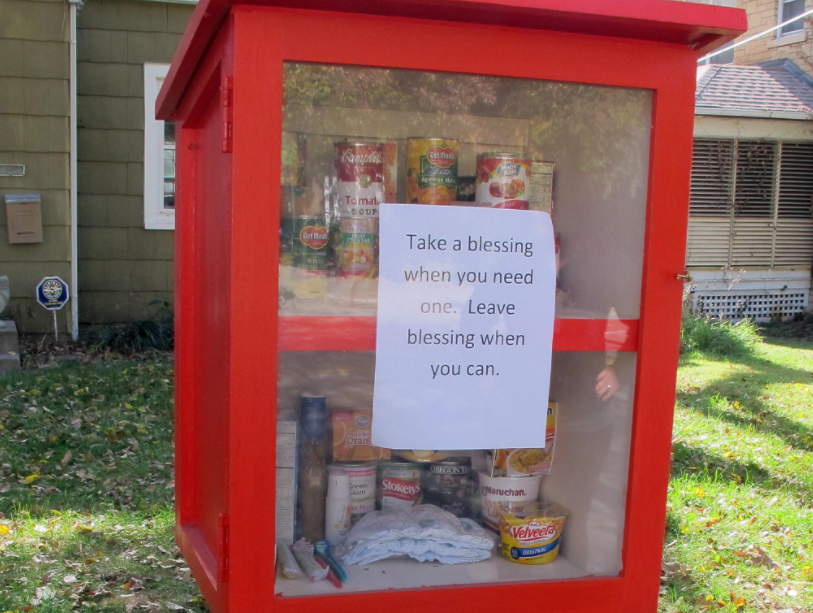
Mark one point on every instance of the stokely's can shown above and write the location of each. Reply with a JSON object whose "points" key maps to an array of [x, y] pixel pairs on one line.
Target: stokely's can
{"points": [[357, 257], [399, 485], [503, 180], [310, 238], [362, 487], [431, 176], [359, 171], [448, 484]]}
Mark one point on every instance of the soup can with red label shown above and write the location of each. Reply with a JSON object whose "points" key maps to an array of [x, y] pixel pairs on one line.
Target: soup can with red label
{"points": [[399, 485], [359, 171], [503, 180]]}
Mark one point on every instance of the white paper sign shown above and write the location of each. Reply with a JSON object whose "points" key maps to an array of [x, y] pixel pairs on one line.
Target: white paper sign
{"points": [[465, 327]]}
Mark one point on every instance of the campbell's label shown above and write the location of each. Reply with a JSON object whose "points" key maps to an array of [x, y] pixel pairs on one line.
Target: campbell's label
{"points": [[359, 171]]}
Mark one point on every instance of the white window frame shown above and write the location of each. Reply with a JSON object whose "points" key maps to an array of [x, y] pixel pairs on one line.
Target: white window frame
{"points": [[780, 18], [156, 217]]}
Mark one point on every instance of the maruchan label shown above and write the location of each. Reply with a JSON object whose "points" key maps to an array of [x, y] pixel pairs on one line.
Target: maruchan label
{"points": [[359, 171], [310, 244]]}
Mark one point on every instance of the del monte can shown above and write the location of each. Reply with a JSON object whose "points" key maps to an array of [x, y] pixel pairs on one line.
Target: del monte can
{"points": [[431, 176]]}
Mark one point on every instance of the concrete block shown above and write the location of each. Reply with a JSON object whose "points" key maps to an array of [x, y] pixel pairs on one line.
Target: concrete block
{"points": [[10, 362], [141, 47], [11, 25], [178, 17], [12, 97], [43, 59], [102, 243], [12, 133], [9, 341], [91, 275], [107, 178], [141, 244], [11, 51], [135, 179], [46, 21]]}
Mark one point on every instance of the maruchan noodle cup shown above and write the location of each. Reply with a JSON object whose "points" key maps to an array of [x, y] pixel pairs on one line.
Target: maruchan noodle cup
{"points": [[352, 437], [496, 491], [359, 171], [431, 176], [357, 253], [503, 180], [362, 487], [532, 532]]}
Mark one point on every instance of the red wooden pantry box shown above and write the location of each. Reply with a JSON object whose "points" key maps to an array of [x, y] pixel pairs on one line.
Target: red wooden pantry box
{"points": [[296, 121]]}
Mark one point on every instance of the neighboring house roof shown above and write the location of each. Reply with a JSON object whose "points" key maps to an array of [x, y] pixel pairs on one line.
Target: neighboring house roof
{"points": [[778, 90]]}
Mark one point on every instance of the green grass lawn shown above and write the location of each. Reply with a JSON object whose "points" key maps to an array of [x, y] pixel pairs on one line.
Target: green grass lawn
{"points": [[86, 487]]}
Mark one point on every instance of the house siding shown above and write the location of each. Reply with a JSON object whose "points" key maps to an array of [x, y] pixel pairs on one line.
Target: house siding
{"points": [[122, 266], [762, 15], [34, 130]]}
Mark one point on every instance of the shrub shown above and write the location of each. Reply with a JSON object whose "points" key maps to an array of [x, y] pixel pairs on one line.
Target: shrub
{"points": [[712, 336], [155, 332]]}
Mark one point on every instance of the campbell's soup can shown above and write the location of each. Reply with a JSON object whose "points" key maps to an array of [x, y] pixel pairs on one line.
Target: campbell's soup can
{"points": [[309, 252], [431, 176], [359, 171], [503, 180], [399, 485], [362, 487], [358, 247]]}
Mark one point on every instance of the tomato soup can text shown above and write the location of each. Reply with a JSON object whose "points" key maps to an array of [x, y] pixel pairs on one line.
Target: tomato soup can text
{"points": [[503, 180], [399, 485], [431, 176], [362, 487], [358, 247], [309, 252], [359, 171]]}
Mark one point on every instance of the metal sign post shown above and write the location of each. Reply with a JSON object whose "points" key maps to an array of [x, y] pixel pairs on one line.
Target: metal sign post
{"points": [[53, 294]]}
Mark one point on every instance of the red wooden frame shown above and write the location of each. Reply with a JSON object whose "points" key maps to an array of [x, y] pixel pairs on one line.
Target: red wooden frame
{"points": [[236, 573]]}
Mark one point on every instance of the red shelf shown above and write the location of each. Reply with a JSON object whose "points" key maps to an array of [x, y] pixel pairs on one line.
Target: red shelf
{"points": [[358, 334]]}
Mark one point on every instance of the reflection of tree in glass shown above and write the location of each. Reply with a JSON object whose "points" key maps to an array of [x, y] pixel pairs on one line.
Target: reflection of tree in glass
{"points": [[605, 122]]}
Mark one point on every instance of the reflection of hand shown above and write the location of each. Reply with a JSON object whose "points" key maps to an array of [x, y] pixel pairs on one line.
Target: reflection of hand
{"points": [[606, 384]]}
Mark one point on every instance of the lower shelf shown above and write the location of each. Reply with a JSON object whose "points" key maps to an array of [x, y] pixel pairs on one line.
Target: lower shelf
{"points": [[405, 573]]}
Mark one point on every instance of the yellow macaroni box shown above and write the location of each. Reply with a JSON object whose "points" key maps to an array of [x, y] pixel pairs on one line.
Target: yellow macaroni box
{"points": [[352, 437], [531, 532], [519, 462]]}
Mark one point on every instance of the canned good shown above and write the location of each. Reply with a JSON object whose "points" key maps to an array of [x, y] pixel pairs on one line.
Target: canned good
{"points": [[309, 253], [362, 487], [466, 188], [358, 247], [447, 484], [399, 485], [391, 171], [431, 176], [503, 180], [359, 178]]}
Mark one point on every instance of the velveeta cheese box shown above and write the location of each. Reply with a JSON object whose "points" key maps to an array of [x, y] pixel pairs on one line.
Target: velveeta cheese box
{"points": [[519, 462], [352, 438]]}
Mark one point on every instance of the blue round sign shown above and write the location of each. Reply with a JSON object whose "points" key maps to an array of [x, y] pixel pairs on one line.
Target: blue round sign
{"points": [[52, 293]]}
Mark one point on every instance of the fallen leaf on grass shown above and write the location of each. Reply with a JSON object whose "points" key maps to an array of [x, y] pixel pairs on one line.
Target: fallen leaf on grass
{"points": [[69, 579], [174, 607], [4, 529], [30, 479], [761, 558], [66, 458]]}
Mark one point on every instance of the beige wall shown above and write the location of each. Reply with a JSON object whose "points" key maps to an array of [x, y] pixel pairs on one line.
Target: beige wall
{"points": [[122, 266], [34, 111], [762, 15]]}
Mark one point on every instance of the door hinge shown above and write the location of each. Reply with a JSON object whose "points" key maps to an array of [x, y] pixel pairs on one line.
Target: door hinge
{"points": [[226, 107], [222, 548]]}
